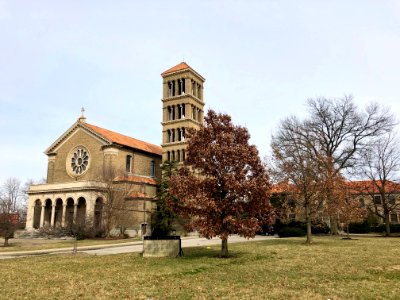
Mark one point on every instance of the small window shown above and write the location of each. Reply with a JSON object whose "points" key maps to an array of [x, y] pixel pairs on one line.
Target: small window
{"points": [[169, 156], [128, 168], [152, 168], [377, 199], [392, 199], [178, 152], [393, 218], [183, 155]]}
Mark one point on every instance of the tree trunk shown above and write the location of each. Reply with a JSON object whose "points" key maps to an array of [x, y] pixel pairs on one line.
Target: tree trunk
{"points": [[387, 224], [6, 242], [334, 226], [224, 248], [308, 222]]}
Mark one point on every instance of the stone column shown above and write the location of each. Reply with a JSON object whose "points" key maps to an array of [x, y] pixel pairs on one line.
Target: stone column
{"points": [[53, 214], [42, 216], [63, 215], [75, 212]]}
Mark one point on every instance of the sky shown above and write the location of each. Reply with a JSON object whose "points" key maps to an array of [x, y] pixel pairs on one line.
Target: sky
{"points": [[261, 59]]}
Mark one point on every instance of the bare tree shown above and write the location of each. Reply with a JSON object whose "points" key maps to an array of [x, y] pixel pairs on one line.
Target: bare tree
{"points": [[336, 132], [380, 163], [10, 201], [295, 162], [116, 211]]}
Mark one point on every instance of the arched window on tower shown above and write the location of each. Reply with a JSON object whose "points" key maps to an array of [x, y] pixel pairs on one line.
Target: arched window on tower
{"points": [[169, 136], [179, 135], [193, 87], [183, 111], [170, 89], [170, 113], [173, 155], [179, 111], [183, 133], [169, 156], [183, 86], [173, 135], [183, 155], [178, 158]]}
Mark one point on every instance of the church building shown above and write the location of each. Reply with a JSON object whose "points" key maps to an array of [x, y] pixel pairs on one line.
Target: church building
{"points": [[88, 165]]}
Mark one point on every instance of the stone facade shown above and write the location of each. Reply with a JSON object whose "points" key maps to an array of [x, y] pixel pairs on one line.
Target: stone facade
{"points": [[77, 184]]}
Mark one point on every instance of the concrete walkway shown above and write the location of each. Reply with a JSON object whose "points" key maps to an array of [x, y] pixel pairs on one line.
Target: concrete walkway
{"points": [[130, 247]]}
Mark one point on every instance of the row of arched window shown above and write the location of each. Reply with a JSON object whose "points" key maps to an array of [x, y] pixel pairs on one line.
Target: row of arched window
{"points": [[176, 135], [178, 155], [178, 87], [177, 112]]}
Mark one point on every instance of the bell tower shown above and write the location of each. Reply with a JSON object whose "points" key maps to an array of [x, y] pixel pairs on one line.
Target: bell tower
{"points": [[183, 107]]}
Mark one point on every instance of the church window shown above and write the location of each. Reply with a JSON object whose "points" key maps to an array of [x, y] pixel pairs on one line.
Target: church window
{"points": [[193, 113], [183, 110], [193, 87], [170, 113], [79, 161], [169, 156], [170, 89], [128, 164], [179, 134], [179, 111], [152, 168], [179, 86], [178, 155], [173, 135], [183, 133], [183, 85], [169, 134], [173, 155], [199, 115], [183, 155]]}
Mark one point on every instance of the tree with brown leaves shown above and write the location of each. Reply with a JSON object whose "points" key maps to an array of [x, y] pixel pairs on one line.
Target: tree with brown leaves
{"points": [[223, 188]]}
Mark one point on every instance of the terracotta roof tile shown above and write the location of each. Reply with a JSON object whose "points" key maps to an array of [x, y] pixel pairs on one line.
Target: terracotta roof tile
{"points": [[125, 140], [135, 194], [137, 179], [179, 67], [368, 186]]}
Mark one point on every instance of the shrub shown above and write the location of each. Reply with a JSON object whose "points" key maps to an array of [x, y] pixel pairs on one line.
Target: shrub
{"points": [[362, 227], [291, 232], [394, 228]]}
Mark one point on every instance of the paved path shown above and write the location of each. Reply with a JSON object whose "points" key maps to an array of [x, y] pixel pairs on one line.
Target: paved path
{"points": [[129, 247]]}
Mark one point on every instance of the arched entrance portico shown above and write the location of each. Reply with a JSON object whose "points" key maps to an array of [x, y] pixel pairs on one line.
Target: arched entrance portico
{"points": [[47, 213], [81, 211], [69, 212], [37, 210], [98, 213], [58, 213]]}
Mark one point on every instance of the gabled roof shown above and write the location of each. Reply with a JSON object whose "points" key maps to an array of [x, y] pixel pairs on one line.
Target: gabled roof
{"points": [[108, 137], [180, 67], [125, 140]]}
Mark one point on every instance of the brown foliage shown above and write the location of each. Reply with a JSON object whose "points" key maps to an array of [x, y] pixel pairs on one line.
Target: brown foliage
{"points": [[229, 190]]}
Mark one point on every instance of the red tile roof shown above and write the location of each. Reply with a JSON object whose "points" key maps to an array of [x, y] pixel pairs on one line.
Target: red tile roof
{"points": [[137, 179], [368, 186], [125, 140], [179, 67], [135, 194]]}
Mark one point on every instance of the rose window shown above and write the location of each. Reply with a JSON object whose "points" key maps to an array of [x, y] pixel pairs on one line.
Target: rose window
{"points": [[79, 161]]}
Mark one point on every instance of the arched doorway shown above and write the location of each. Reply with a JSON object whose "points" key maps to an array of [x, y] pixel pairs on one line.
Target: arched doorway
{"points": [[47, 213], [69, 212], [98, 213], [58, 213], [37, 210], [81, 211]]}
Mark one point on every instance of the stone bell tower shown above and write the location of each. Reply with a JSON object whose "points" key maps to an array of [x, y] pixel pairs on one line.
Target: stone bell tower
{"points": [[183, 107]]}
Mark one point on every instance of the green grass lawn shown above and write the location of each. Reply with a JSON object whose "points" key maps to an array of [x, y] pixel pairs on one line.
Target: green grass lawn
{"points": [[331, 268], [42, 244]]}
